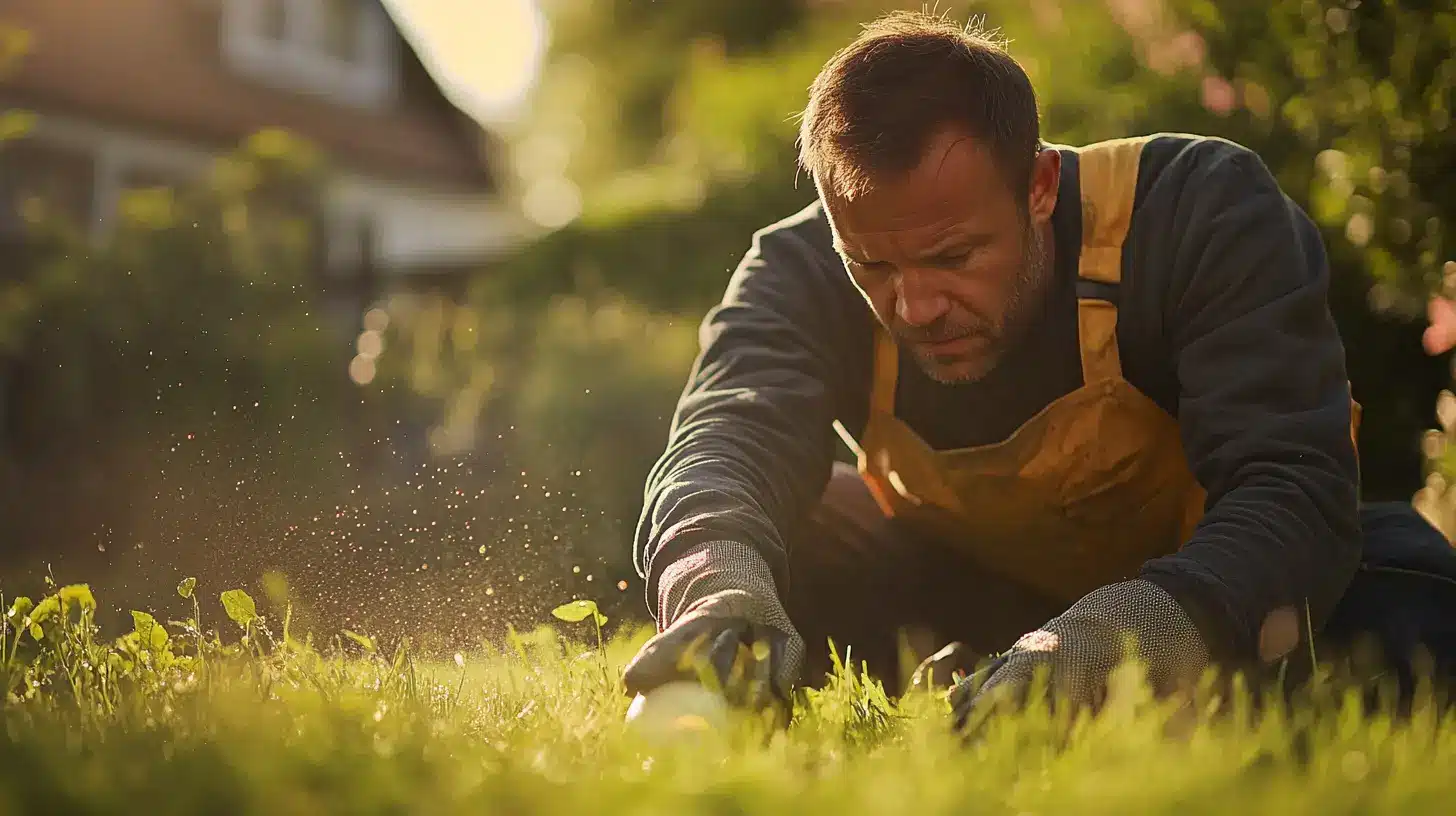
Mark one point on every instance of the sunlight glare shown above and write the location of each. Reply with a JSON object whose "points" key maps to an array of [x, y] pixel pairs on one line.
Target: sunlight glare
{"points": [[489, 50]]}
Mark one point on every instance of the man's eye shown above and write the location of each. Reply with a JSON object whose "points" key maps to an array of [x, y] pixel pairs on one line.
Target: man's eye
{"points": [[876, 267], [955, 261]]}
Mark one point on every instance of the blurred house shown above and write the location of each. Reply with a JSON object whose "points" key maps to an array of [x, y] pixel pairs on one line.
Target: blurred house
{"points": [[145, 92]]}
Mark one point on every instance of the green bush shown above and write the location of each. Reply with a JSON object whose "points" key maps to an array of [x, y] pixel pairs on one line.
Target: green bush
{"points": [[170, 388]]}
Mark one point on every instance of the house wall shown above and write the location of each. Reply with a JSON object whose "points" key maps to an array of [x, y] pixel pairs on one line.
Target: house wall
{"points": [[194, 71], [413, 225]]}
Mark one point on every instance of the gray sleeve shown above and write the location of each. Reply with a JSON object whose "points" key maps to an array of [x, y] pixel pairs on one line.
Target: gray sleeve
{"points": [[751, 441]]}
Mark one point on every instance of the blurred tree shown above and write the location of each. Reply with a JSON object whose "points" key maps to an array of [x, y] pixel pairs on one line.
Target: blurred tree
{"points": [[1350, 104]]}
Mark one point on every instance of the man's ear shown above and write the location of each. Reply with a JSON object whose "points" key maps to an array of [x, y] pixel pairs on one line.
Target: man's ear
{"points": [[1046, 180]]}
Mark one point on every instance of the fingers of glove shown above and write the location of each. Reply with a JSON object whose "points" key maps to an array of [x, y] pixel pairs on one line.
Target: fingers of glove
{"points": [[724, 660], [752, 672], [783, 664], [769, 652], [789, 662], [1006, 689], [673, 655], [746, 666], [776, 655], [967, 687], [748, 669]]}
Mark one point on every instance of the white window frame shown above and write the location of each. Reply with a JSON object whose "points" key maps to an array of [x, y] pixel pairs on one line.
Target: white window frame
{"points": [[113, 152], [298, 61]]}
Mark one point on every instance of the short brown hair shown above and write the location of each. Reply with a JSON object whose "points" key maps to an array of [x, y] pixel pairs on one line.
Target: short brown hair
{"points": [[875, 105]]}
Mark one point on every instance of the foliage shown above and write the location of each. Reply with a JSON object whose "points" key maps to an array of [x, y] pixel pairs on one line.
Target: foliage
{"points": [[204, 286], [186, 719], [578, 389], [185, 353], [1350, 105]]}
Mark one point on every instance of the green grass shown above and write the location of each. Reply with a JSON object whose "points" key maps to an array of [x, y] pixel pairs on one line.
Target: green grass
{"points": [[176, 718]]}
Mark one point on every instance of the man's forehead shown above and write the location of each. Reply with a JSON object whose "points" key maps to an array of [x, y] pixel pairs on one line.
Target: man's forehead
{"points": [[955, 176]]}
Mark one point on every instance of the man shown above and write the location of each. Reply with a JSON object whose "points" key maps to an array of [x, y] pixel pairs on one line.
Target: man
{"points": [[1093, 392]]}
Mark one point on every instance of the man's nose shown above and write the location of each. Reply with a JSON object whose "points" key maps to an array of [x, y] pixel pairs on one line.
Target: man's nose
{"points": [[918, 301]]}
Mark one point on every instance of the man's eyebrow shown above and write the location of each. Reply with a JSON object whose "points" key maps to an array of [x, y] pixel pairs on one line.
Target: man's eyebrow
{"points": [[957, 242]]}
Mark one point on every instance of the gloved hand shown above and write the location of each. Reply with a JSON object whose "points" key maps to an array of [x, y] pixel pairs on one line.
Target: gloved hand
{"points": [[1081, 647], [944, 669], [719, 614]]}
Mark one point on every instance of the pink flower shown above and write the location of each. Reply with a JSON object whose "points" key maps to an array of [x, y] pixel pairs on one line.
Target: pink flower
{"points": [[1219, 96]]}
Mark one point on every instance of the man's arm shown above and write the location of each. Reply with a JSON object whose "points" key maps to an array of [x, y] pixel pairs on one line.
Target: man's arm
{"points": [[1264, 405], [751, 441]]}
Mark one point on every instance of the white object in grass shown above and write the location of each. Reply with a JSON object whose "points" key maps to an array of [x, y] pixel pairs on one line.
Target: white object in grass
{"points": [[682, 707]]}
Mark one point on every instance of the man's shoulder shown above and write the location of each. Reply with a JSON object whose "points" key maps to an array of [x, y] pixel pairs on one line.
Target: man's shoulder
{"points": [[1173, 165], [1171, 159], [794, 257], [807, 230]]}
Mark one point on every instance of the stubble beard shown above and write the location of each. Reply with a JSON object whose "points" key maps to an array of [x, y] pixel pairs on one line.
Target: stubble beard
{"points": [[1021, 309]]}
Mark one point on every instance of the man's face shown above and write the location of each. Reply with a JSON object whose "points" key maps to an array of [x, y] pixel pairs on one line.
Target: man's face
{"points": [[947, 257]]}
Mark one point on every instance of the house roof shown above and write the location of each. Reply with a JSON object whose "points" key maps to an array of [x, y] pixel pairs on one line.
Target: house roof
{"points": [[157, 65]]}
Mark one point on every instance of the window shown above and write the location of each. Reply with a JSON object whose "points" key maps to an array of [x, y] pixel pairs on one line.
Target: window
{"points": [[343, 50], [341, 22], [137, 177], [274, 25]]}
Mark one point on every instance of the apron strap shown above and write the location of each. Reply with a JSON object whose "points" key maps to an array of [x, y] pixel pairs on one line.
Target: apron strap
{"points": [[1108, 173], [886, 372]]}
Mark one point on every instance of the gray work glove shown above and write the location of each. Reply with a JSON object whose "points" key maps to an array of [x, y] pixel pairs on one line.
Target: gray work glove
{"points": [[1081, 647], [720, 620]]}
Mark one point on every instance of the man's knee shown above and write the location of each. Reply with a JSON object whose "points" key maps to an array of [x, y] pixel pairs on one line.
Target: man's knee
{"points": [[845, 529], [1402, 600], [851, 578], [1395, 535]]}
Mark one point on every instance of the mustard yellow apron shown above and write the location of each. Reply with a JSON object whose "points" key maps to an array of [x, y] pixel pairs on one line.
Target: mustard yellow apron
{"points": [[1089, 488]]}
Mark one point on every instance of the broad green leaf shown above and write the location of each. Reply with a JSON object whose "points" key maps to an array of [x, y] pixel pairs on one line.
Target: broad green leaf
{"points": [[36, 632], [151, 632], [576, 611], [239, 607], [20, 608], [79, 594], [143, 622], [185, 588], [363, 640], [49, 605]]}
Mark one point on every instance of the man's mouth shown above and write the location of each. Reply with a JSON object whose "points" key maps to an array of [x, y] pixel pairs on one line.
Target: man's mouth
{"points": [[945, 347]]}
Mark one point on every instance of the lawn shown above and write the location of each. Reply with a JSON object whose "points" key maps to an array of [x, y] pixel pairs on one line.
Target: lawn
{"points": [[247, 716]]}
